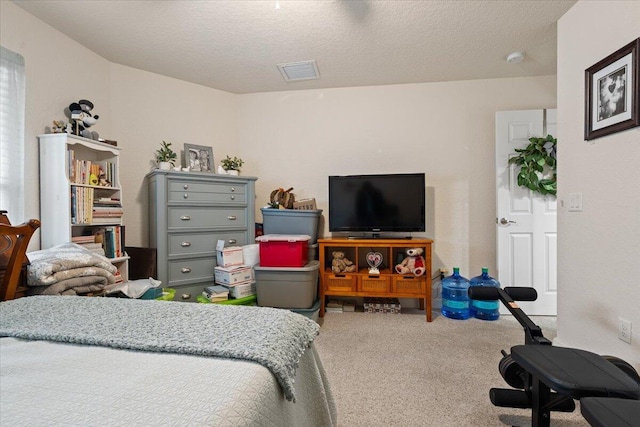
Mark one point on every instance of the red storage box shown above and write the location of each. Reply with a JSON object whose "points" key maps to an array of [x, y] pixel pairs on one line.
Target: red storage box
{"points": [[282, 250]]}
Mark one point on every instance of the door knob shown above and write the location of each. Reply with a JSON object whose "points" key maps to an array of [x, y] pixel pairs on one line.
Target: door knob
{"points": [[505, 221]]}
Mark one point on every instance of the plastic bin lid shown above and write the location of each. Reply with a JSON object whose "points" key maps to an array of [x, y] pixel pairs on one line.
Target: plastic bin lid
{"points": [[311, 266], [302, 212], [283, 238]]}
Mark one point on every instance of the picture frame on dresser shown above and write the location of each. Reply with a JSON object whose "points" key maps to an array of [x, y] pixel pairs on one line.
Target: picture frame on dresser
{"points": [[612, 103], [198, 158]]}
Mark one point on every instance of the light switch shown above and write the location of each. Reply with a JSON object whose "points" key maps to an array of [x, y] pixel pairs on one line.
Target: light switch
{"points": [[575, 202]]}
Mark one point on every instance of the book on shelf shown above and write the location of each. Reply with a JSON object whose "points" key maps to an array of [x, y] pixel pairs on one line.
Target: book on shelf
{"points": [[86, 172], [108, 220], [107, 201], [118, 244], [112, 239], [83, 239], [107, 210], [81, 205]]}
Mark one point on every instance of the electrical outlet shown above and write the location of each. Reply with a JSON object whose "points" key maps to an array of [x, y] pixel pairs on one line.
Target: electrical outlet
{"points": [[443, 273], [624, 330]]}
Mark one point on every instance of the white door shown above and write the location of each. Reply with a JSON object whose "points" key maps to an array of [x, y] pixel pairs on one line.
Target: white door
{"points": [[525, 221]]}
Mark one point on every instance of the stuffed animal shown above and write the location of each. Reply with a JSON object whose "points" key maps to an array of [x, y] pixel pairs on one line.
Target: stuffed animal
{"points": [[60, 127], [340, 264], [282, 199], [82, 119], [102, 179], [413, 263]]}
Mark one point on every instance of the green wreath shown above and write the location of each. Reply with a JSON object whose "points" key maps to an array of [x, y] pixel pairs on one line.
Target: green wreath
{"points": [[537, 161]]}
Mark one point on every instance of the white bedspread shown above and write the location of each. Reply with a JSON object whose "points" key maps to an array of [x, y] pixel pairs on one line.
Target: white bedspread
{"points": [[55, 384]]}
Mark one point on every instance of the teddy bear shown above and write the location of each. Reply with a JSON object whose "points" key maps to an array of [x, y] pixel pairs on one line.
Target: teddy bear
{"points": [[82, 119], [413, 263], [340, 264]]}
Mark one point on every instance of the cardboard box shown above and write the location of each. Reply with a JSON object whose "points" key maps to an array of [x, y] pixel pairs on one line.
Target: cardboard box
{"points": [[233, 275], [241, 290], [227, 257]]}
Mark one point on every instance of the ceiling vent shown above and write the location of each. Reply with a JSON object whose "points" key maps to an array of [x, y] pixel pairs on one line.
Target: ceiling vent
{"points": [[295, 71]]}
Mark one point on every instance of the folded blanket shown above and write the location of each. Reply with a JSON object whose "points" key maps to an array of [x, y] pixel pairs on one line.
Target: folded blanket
{"points": [[68, 261], [273, 337], [73, 286]]}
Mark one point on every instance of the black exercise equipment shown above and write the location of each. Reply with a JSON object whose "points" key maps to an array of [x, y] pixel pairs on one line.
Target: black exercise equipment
{"points": [[610, 412], [547, 378]]}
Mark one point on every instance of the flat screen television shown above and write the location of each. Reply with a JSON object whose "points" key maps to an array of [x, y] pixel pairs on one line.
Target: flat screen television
{"points": [[377, 203]]}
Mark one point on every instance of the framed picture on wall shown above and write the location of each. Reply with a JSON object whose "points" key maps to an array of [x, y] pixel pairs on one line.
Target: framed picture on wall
{"points": [[198, 158], [611, 93]]}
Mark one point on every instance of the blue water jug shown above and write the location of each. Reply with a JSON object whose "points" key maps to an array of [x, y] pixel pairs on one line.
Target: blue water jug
{"points": [[455, 301], [485, 310]]}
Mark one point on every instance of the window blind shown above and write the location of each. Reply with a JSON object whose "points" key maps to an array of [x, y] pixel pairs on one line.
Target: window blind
{"points": [[12, 111]]}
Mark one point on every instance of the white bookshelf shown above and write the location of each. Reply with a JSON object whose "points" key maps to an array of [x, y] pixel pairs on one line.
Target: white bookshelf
{"points": [[56, 187]]}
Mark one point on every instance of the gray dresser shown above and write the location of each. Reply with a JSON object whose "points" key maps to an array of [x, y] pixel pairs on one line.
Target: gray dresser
{"points": [[188, 213]]}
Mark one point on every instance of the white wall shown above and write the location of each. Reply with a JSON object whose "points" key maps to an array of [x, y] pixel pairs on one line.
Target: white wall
{"points": [[599, 248], [147, 109], [446, 130], [58, 71], [136, 108]]}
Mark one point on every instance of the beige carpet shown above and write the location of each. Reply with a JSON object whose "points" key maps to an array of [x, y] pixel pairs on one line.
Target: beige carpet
{"points": [[399, 370]]}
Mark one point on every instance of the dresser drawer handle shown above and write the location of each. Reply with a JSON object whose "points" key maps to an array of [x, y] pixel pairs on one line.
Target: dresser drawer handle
{"points": [[185, 270], [233, 197], [232, 218], [232, 241], [185, 244], [185, 218], [185, 296], [233, 189], [186, 186], [185, 195]]}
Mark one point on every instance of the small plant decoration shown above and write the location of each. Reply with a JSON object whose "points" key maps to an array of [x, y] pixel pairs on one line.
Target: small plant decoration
{"points": [[166, 154], [537, 161], [232, 164]]}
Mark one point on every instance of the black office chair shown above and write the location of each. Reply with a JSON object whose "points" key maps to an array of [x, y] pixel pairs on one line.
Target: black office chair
{"points": [[547, 378]]}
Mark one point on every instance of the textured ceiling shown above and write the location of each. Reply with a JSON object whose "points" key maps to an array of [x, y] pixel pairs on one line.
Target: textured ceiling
{"points": [[236, 46]]}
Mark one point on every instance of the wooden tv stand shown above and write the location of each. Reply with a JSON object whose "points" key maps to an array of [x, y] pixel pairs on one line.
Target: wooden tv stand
{"points": [[387, 284]]}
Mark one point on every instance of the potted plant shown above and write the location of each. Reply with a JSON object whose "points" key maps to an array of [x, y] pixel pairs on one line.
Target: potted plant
{"points": [[537, 163], [232, 165], [165, 156]]}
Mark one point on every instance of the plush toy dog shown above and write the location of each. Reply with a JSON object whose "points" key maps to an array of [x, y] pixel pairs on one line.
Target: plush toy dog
{"points": [[340, 264], [413, 263]]}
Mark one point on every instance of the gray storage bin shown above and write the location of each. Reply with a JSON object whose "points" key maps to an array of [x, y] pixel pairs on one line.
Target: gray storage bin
{"points": [[312, 313], [291, 221], [287, 287], [312, 254]]}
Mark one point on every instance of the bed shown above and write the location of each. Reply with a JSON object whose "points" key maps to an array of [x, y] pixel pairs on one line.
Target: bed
{"points": [[71, 360]]}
